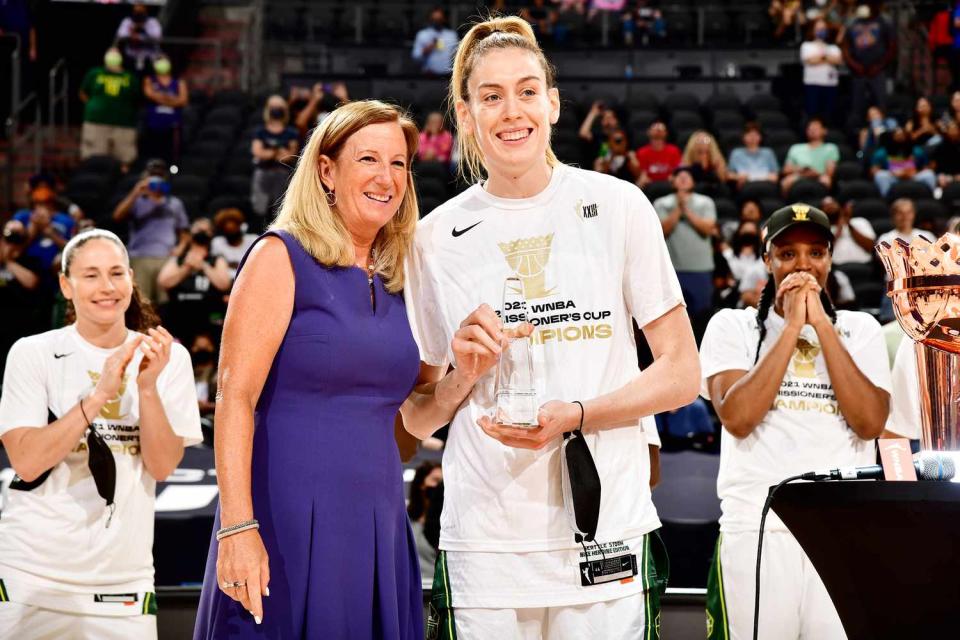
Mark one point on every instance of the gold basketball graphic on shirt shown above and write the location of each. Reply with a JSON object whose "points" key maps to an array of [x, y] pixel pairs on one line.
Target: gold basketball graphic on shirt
{"points": [[528, 258], [111, 410], [805, 358]]}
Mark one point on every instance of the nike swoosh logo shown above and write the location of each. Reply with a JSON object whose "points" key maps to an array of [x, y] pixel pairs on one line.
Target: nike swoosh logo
{"points": [[61, 355], [459, 232]]}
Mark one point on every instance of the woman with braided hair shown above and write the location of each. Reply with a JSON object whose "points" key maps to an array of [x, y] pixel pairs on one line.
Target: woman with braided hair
{"points": [[797, 386]]}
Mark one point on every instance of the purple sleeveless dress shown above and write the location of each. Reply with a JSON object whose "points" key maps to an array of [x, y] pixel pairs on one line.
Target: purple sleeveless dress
{"points": [[326, 475]]}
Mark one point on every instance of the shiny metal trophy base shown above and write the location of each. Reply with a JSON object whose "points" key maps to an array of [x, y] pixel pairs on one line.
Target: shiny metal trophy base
{"points": [[939, 378]]}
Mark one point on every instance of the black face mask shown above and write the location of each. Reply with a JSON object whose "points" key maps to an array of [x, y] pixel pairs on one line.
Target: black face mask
{"points": [[201, 238], [202, 357], [234, 236], [581, 486], [277, 113], [139, 18]]}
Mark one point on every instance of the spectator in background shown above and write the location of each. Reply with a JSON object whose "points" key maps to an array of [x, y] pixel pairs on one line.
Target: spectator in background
{"points": [[743, 256], [657, 159], [689, 220], [751, 162], [787, 17], [643, 22], [111, 96], [541, 17], [166, 97], [705, 160], [616, 158], [435, 44], [869, 48], [139, 37], [203, 355], [814, 159], [157, 224], [903, 214], [597, 125], [42, 187], [820, 57], [436, 142], [195, 281], [945, 159], [921, 127], [854, 237], [877, 125], [274, 144], [231, 242], [749, 212], [323, 99], [19, 281], [897, 159], [47, 233], [951, 113], [427, 481]]}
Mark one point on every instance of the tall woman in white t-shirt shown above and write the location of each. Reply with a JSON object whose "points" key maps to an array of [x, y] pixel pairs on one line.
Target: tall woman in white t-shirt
{"points": [[91, 416], [797, 386], [590, 253]]}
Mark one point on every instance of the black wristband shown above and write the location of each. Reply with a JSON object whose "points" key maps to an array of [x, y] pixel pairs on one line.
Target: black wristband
{"points": [[580, 404]]}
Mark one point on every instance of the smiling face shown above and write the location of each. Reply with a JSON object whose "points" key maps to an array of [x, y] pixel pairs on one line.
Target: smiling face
{"points": [[99, 283], [510, 112], [369, 177], [800, 248]]}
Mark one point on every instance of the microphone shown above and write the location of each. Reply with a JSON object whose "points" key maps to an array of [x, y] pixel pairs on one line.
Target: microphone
{"points": [[930, 465]]}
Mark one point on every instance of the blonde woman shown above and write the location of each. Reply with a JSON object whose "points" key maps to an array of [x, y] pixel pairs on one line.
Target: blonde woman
{"points": [[274, 146], [702, 154], [312, 538], [590, 254]]}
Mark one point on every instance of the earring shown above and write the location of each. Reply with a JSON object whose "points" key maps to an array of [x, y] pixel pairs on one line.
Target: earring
{"points": [[331, 203]]}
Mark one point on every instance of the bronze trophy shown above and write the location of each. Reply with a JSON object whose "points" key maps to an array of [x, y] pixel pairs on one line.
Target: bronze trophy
{"points": [[924, 286]]}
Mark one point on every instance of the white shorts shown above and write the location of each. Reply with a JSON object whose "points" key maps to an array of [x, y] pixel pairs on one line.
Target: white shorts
{"points": [[27, 622], [621, 619], [793, 601]]}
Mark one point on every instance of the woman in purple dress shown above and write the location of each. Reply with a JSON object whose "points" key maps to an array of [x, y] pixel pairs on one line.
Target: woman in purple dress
{"points": [[312, 538]]}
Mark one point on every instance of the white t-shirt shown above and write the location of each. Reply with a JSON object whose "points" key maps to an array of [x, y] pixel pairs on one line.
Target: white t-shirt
{"points": [[823, 74], [590, 252], [845, 248], [804, 430], [904, 419], [893, 235], [233, 255], [55, 548]]}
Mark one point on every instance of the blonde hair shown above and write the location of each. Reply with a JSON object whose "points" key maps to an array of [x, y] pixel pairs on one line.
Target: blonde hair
{"points": [[493, 33], [717, 161], [266, 109], [308, 216]]}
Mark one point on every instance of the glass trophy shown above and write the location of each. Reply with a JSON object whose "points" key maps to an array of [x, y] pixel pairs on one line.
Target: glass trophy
{"points": [[515, 390]]}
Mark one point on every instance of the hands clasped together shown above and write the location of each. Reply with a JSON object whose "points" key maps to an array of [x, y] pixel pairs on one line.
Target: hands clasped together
{"points": [[477, 346], [798, 296]]}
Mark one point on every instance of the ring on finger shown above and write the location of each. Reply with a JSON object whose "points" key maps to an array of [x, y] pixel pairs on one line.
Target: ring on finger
{"points": [[233, 584]]}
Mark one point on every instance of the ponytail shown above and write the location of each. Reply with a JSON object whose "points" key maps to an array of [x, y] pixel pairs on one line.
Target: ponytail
{"points": [[494, 33]]}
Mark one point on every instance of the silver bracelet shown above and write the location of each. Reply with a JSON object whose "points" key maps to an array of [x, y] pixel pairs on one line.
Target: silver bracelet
{"points": [[240, 527]]}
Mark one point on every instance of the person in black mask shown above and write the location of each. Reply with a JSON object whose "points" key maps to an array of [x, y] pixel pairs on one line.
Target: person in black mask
{"points": [[18, 287], [195, 282], [231, 242], [746, 265], [203, 354], [274, 149]]}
